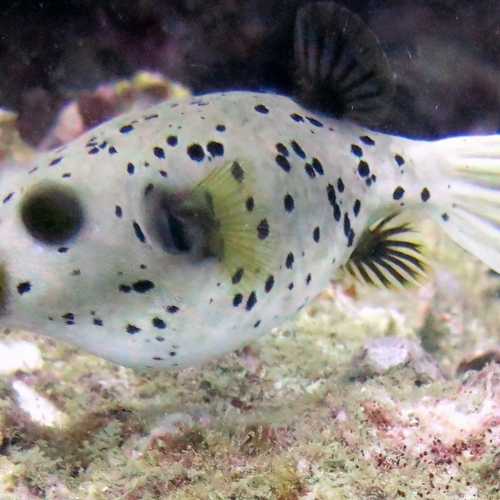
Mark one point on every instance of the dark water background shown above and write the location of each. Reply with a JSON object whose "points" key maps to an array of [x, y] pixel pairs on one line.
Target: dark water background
{"points": [[445, 54]]}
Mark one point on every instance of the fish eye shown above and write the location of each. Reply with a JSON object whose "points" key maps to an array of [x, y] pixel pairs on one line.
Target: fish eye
{"points": [[52, 214]]}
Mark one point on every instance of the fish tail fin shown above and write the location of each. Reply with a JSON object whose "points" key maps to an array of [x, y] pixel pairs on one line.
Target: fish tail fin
{"points": [[465, 199]]}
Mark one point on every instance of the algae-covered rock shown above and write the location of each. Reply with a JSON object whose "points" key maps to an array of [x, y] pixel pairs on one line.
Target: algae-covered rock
{"points": [[381, 355]]}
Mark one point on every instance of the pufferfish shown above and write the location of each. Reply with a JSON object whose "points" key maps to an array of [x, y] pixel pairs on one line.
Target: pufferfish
{"points": [[164, 238]]}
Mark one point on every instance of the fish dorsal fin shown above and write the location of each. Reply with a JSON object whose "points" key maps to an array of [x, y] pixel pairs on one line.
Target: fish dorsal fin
{"points": [[389, 255], [341, 67]]}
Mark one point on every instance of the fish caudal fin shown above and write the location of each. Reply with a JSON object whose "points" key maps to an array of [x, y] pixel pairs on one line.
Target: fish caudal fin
{"points": [[467, 200]]}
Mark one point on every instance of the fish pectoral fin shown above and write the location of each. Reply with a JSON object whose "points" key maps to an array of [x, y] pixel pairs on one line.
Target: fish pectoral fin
{"points": [[237, 228], [389, 254], [342, 69]]}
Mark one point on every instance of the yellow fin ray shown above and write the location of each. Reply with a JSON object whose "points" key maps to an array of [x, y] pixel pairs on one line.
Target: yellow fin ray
{"points": [[229, 192]]}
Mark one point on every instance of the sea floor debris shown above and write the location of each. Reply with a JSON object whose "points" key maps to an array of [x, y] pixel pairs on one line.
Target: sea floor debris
{"points": [[293, 415]]}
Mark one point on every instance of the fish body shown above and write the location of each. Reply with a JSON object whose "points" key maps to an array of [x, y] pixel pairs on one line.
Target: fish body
{"points": [[164, 238], [93, 277]]}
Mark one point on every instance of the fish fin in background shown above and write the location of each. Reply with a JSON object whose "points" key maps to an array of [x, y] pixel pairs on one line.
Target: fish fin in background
{"points": [[389, 254], [341, 68], [234, 226], [466, 201]]}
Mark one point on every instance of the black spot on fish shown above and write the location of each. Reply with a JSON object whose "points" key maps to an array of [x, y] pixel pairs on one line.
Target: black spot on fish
{"points": [[363, 169], [159, 323], [55, 161], [62, 249], [8, 198], [318, 167], [425, 195], [316, 234], [308, 279], [347, 225], [398, 193], [215, 148], [130, 168], [132, 329], [159, 152], [290, 286], [172, 140], [289, 202], [251, 301], [143, 286], [172, 309], [93, 151], [220, 128], [126, 129], [195, 152], [263, 229], [260, 108], [257, 324], [269, 283], [237, 172], [249, 203], [139, 233], [283, 163], [112, 150], [237, 299], [236, 278], [445, 217], [367, 140], [399, 160], [125, 288], [340, 185], [289, 260], [314, 122], [282, 149], [350, 238], [298, 150], [356, 208], [309, 170], [356, 150], [23, 287], [151, 117], [296, 117], [97, 322], [118, 211], [337, 213], [332, 198]]}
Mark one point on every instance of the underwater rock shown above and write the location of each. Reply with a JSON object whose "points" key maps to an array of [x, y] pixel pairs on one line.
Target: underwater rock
{"points": [[478, 361], [20, 355], [383, 354]]}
